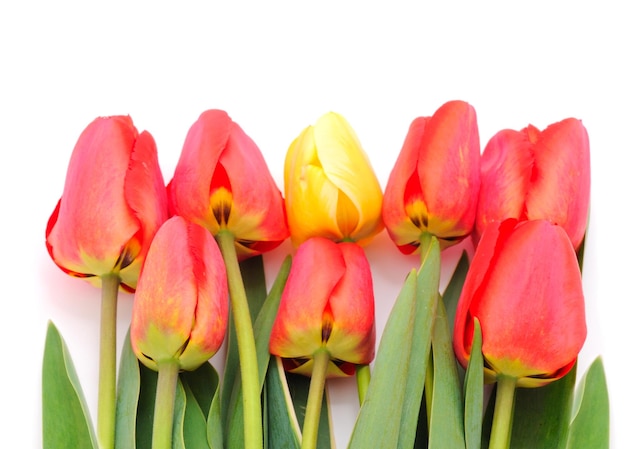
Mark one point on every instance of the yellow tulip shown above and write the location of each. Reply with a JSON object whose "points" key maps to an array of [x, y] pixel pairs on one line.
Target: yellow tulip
{"points": [[331, 190]]}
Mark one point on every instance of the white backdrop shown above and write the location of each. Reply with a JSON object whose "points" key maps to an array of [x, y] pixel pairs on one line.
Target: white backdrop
{"points": [[275, 67]]}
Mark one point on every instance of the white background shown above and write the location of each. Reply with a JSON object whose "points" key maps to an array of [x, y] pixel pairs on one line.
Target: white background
{"points": [[275, 67]]}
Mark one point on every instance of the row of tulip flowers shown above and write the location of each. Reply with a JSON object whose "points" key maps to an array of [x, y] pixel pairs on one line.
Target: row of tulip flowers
{"points": [[182, 249]]}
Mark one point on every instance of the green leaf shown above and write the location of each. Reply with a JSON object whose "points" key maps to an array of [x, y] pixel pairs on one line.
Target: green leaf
{"points": [[128, 385], [282, 424], [446, 420], [232, 407], [590, 417], [541, 415], [65, 417], [389, 414], [453, 290], [145, 406], [202, 388], [474, 391]]}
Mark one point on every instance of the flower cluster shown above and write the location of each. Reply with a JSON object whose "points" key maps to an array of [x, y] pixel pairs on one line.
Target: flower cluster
{"points": [[187, 250]]}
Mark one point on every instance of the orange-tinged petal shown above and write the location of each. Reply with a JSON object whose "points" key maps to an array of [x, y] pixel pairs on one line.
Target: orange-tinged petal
{"points": [[353, 336], [532, 174], [316, 269], [506, 166], [434, 183], [525, 288], [560, 188], [328, 303], [112, 203], [180, 309], [221, 181]]}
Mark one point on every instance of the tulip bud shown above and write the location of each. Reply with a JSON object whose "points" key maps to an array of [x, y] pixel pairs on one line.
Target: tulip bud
{"points": [[433, 186], [525, 288], [222, 182], [113, 202], [328, 302], [532, 174], [330, 187], [181, 303]]}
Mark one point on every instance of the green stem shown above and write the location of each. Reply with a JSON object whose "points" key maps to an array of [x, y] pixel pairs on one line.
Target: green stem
{"points": [[363, 376], [503, 413], [163, 421], [108, 359], [314, 401], [251, 390]]}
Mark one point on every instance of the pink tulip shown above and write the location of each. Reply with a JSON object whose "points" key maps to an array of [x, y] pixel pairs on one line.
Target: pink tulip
{"points": [[525, 288], [327, 304], [113, 202], [181, 303], [532, 174], [222, 182], [434, 184]]}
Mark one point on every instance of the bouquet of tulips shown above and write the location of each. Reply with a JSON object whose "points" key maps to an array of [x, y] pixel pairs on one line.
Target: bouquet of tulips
{"points": [[489, 361]]}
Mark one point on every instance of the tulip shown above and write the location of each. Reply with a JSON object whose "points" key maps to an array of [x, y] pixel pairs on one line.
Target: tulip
{"points": [[327, 304], [330, 187], [113, 202], [324, 326], [181, 303], [180, 311], [532, 174], [525, 288], [222, 182], [433, 186]]}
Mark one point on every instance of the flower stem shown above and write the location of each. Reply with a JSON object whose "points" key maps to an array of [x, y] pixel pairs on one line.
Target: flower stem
{"points": [[253, 429], [363, 376], [503, 413], [314, 401], [163, 421], [108, 359]]}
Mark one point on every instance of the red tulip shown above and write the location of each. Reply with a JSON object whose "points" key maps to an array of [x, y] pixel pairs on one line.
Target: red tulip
{"points": [[328, 303], [434, 184], [181, 303], [525, 288], [222, 182], [532, 174], [113, 202]]}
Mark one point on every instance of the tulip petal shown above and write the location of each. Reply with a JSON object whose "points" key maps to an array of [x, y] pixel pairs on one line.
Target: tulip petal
{"points": [[506, 166], [93, 230], [180, 309], [525, 288], [190, 188], [211, 314], [317, 268], [353, 338], [562, 169], [347, 167]]}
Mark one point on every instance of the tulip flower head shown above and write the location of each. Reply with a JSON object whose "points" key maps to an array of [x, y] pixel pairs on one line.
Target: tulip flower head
{"points": [[181, 303], [113, 202], [327, 304], [222, 182], [331, 190], [532, 174], [524, 286], [433, 186]]}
